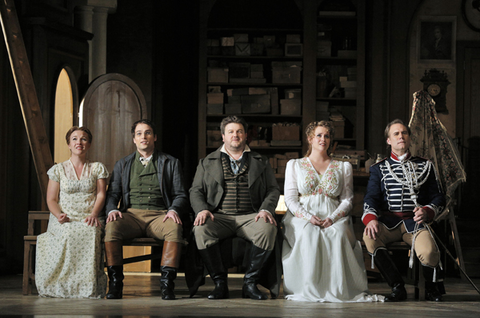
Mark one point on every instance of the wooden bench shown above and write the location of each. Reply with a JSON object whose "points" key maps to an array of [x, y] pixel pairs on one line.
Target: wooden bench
{"points": [[30, 242]]}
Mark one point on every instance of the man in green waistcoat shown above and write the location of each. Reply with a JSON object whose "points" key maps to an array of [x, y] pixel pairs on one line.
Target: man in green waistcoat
{"points": [[234, 192], [148, 184]]}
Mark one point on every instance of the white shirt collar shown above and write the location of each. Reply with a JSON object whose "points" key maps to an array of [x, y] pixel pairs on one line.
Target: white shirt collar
{"points": [[247, 149]]}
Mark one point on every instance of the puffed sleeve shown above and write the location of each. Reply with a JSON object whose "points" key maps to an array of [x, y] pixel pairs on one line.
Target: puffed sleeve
{"points": [[291, 193], [346, 196], [54, 173], [100, 170]]}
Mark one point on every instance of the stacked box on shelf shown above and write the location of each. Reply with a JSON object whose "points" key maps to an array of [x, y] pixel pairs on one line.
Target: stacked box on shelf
{"points": [[227, 45], [292, 104], [240, 72], [286, 134], [251, 100], [214, 138], [217, 74], [321, 111], [272, 48], [293, 45], [257, 47], [286, 72], [256, 104], [279, 162], [242, 47], [215, 100], [350, 54], [338, 123], [213, 47], [352, 73], [324, 48], [256, 71], [349, 87]]}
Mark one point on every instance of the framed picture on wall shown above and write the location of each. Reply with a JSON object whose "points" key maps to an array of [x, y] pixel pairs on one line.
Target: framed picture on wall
{"points": [[436, 39]]}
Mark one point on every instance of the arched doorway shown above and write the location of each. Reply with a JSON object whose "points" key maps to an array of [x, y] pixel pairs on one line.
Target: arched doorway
{"points": [[63, 115]]}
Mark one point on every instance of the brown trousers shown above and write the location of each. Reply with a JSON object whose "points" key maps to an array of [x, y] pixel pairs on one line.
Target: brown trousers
{"points": [[143, 223]]}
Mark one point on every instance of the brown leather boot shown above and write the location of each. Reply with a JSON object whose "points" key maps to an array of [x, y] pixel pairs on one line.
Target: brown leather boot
{"points": [[114, 253], [168, 267]]}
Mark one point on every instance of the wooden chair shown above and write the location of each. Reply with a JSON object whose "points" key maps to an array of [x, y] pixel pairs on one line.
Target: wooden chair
{"points": [[30, 242]]}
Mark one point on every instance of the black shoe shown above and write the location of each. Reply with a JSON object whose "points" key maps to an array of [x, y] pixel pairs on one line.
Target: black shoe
{"points": [[167, 294], [431, 292], [250, 290], [399, 293], [220, 291], [115, 285], [167, 284]]}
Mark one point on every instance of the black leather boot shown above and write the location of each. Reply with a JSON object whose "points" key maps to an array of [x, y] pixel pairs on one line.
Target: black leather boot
{"points": [[167, 284], [389, 271], [258, 257], [432, 292], [212, 259], [168, 267], [114, 252], [115, 284]]}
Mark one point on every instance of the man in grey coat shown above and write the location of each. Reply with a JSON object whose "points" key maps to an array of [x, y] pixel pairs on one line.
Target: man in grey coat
{"points": [[234, 192], [148, 184]]}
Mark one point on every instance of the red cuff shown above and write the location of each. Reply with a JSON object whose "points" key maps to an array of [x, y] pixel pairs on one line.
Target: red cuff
{"points": [[368, 218], [430, 213]]}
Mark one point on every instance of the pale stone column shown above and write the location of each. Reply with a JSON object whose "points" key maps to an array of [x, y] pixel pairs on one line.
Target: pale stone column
{"points": [[84, 21], [98, 61], [91, 16]]}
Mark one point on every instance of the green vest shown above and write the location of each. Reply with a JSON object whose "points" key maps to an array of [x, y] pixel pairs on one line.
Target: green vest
{"points": [[145, 191]]}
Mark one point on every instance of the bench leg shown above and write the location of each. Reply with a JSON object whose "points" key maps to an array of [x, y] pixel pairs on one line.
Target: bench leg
{"points": [[27, 268]]}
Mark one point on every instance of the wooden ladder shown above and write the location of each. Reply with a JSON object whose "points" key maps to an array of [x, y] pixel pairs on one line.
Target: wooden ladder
{"points": [[27, 95]]}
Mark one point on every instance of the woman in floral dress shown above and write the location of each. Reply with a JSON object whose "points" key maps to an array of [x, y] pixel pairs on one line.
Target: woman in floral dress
{"points": [[322, 260], [69, 261]]}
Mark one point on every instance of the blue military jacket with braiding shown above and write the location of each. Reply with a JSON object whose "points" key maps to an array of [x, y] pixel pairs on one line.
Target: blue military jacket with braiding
{"points": [[389, 197]]}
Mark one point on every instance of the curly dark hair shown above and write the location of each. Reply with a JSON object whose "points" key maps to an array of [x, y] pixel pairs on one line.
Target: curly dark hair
{"points": [[233, 119], [146, 122]]}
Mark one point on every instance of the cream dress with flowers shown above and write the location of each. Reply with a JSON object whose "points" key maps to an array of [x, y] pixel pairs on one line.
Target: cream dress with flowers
{"points": [[321, 264], [69, 261]]}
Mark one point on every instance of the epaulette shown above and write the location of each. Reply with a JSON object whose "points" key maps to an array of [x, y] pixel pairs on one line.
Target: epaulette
{"points": [[376, 163], [418, 157]]}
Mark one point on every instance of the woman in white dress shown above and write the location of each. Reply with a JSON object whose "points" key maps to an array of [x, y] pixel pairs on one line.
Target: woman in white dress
{"points": [[69, 261], [322, 260]]}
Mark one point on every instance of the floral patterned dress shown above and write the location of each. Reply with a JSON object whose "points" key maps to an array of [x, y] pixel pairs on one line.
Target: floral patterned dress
{"points": [[321, 264], [69, 261]]}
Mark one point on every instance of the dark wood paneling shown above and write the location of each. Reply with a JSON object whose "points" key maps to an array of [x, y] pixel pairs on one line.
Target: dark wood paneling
{"points": [[388, 67], [112, 104]]}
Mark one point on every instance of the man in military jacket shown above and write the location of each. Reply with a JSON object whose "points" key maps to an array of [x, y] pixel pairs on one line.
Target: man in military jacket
{"points": [[403, 195]]}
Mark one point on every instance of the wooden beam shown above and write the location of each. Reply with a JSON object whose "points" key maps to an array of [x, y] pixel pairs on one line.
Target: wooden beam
{"points": [[27, 95]]}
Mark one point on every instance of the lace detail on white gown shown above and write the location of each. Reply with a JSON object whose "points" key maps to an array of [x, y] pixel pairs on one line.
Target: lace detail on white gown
{"points": [[69, 256], [321, 265]]}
